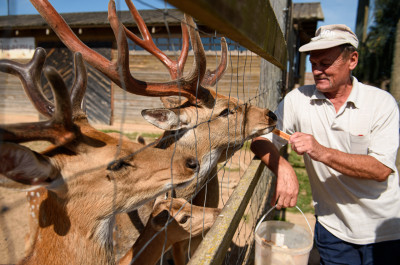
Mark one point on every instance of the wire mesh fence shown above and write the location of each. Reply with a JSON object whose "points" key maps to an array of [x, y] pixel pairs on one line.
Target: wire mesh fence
{"points": [[215, 131]]}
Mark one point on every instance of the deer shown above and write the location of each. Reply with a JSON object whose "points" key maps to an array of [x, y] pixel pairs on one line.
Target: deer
{"points": [[78, 185], [172, 220], [196, 119]]}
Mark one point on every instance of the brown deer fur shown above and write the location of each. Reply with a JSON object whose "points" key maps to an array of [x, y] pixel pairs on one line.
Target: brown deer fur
{"points": [[92, 176], [172, 220]]}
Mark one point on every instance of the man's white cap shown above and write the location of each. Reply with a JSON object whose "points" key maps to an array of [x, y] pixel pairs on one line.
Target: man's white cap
{"points": [[330, 36]]}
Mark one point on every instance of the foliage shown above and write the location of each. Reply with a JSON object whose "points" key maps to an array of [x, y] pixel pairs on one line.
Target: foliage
{"points": [[376, 53], [149, 137]]}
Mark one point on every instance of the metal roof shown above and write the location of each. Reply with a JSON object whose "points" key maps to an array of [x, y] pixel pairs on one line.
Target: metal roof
{"points": [[93, 19], [307, 11], [301, 11]]}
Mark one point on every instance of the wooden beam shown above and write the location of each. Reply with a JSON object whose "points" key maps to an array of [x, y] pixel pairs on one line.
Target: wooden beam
{"points": [[362, 20], [251, 23]]}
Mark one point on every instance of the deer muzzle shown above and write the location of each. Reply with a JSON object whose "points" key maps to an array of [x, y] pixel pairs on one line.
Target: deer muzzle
{"points": [[272, 116]]}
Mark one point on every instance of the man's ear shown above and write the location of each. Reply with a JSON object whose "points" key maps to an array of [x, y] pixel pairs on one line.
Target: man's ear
{"points": [[24, 169], [166, 119], [353, 60]]}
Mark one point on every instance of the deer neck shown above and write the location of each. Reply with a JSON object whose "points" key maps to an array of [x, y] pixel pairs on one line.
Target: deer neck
{"points": [[153, 251], [76, 238]]}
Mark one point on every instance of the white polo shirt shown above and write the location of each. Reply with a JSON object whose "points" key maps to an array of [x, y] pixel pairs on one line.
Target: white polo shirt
{"points": [[354, 210]]}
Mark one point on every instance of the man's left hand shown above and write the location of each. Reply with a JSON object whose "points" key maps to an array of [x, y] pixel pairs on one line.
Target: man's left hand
{"points": [[303, 143]]}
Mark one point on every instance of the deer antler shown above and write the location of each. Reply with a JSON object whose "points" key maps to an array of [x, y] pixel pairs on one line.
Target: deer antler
{"points": [[29, 74], [175, 67], [211, 77], [118, 72], [59, 129], [78, 88]]}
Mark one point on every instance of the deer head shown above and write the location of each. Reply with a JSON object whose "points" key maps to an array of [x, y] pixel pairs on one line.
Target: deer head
{"points": [[89, 176], [172, 220]]}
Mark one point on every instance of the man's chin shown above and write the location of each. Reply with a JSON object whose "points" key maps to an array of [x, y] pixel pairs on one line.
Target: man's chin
{"points": [[322, 86]]}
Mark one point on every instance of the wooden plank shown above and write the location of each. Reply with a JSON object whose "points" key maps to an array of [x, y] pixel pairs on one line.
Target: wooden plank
{"points": [[252, 23], [13, 99]]}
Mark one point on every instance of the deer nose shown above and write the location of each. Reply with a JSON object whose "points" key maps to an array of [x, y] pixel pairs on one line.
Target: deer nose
{"points": [[272, 115], [192, 163]]}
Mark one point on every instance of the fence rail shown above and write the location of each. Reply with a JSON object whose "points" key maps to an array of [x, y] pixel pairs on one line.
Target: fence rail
{"points": [[256, 182]]}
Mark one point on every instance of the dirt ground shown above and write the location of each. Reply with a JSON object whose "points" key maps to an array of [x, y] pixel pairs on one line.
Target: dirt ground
{"points": [[14, 208]]}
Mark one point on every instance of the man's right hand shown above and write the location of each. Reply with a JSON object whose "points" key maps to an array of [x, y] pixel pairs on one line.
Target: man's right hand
{"points": [[287, 187]]}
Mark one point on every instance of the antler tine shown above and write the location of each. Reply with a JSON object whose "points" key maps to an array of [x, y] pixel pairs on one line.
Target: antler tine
{"points": [[175, 67], [29, 75], [79, 87], [59, 129], [211, 77], [200, 62], [122, 65]]}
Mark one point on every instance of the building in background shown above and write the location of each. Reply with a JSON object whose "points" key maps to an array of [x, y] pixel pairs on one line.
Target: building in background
{"points": [[106, 103]]}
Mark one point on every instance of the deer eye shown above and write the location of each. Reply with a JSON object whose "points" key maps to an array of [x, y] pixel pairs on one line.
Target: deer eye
{"points": [[184, 219], [225, 112], [117, 165]]}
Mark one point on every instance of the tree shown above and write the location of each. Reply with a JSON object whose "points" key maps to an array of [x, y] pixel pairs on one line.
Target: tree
{"points": [[376, 52], [395, 78]]}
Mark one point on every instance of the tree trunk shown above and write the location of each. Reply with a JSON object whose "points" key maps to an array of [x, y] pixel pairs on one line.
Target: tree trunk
{"points": [[362, 20], [395, 78]]}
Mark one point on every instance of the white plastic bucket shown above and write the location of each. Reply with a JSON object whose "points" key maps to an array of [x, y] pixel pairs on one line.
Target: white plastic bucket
{"points": [[282, 243]]}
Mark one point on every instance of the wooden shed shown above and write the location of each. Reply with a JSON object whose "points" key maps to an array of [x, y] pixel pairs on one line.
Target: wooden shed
{"points": [[305, 20]]}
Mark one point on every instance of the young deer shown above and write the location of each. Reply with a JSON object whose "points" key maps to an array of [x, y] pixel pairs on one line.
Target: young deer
{"points": [[207, 125], [172, 221], [87, 176]]}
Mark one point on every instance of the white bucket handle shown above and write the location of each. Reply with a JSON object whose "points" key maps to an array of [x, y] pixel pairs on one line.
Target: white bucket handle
{"points": [[265, 215]]}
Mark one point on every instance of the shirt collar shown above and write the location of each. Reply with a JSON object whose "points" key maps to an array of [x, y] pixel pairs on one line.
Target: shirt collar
{"points": [[353, 97], [354, 94]]}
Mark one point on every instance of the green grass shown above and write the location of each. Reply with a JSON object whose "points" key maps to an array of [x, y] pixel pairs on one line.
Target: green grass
{"points": [[231, 169], [246, 145], [246, 218], [304, 199], [149, 137]]}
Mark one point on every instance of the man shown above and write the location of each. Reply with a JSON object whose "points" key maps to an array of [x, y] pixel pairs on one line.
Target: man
{"points": [[348, 134]]}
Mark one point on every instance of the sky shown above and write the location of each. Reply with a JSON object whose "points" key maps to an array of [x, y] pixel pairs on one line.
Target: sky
{"points": [[335, 11], [20, 7]]}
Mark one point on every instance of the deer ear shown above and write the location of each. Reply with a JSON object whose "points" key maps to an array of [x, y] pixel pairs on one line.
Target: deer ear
{"points": [[172, 102], [24, 169], [166, 119]]}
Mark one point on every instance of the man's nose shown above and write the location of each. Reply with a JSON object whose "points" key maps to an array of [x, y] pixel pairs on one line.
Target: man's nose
{"points": [[317, 72]]}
